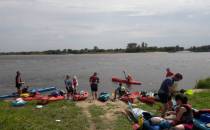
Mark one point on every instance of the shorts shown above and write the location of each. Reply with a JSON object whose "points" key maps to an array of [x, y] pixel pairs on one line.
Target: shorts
{"points": [[94, 87], [164, 98], [70, 90]]}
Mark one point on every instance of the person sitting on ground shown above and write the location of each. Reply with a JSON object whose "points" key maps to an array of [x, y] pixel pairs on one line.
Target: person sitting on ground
{"points": [[75, 84], [18, 82], [166, 89], [183, 119], [69, 87], [169, 73], [120, 91], [94, 81]]}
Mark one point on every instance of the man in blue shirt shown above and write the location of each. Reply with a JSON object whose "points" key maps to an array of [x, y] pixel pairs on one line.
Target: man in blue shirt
{"points": [[166, 88]]}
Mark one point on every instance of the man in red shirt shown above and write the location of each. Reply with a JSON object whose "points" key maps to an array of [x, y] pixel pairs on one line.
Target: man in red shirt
{"points": [[94, 81]]}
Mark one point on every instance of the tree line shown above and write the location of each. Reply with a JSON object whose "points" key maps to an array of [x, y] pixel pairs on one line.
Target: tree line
{"points": [[131, 48]]}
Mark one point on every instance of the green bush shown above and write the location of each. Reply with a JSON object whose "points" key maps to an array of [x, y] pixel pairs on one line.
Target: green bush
{"points": [[204, 83]]}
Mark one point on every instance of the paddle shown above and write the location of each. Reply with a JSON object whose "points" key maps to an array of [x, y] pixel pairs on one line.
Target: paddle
{"points": [[125, 74]]}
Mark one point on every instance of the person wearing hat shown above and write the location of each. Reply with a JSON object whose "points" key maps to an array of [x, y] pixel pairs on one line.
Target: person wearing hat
{"points": [[120, 91], [166, 90], [18, 82]]}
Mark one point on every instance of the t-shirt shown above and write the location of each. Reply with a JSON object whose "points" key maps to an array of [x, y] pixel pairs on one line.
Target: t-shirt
{"points": [[68, 83], [94, 80], [166, 84]]}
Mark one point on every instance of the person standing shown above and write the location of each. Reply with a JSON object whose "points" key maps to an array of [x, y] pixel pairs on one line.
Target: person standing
{"points": [[166, 90], [18, 82], [94, 81], [75, 84], [69, 86]]}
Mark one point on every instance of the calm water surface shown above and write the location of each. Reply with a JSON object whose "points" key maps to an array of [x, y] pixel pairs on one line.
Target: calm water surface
{"points": [[46, 70]]}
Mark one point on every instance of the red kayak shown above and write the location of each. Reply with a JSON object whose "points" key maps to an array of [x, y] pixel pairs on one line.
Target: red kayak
{"points": [[80, 96], [31, 98], [115, 79], [147, 100], [51, 98], [130, 97], [36, 97]]}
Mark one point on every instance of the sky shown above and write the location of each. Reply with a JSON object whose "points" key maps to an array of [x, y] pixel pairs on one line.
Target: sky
{"points": [[35, 25]]}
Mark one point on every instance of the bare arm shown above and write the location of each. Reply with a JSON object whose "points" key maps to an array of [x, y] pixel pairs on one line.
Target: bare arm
{"points": [[179, 115]]}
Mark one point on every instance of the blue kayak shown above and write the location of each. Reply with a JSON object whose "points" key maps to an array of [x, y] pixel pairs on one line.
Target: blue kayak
{"points": [[41, 90]]}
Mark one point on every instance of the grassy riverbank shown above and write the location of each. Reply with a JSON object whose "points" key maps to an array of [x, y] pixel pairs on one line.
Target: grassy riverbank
{"points": [[203, 83], [78, 116]]}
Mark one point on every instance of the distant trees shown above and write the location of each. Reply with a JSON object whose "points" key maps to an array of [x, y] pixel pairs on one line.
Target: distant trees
{"points": [[205, 48], [131, 48], [143, 47]]}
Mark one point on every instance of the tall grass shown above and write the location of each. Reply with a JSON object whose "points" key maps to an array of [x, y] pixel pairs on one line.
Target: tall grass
{"points": [[203, 84]]}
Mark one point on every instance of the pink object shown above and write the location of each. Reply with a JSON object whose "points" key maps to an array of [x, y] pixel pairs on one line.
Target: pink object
{"points": [[135, 126]]}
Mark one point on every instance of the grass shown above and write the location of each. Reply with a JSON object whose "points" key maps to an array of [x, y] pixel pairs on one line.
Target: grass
{"points": [[30, 118], [203, 84], [72, 117], [96, 114], [122, 123], [200, 100]]}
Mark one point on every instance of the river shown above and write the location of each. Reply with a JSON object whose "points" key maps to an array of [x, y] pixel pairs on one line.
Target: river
{"points": [[50, 70]]}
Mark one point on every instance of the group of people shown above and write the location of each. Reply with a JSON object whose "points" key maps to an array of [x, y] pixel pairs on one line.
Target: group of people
{"points": [[71, 84], [178, 116], [167, 92]]}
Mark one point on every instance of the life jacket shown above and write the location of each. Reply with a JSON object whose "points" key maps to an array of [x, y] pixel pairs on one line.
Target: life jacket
{"points": [[187, 117], [75, 82]]}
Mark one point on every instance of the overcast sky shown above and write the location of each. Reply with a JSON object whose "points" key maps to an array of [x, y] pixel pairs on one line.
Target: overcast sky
{"points": [[27, 25]]}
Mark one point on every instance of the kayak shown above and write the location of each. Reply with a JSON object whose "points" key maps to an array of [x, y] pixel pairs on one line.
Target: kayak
{"points": [[80, 96], [41, 90], [118, 80], [36, 97], [130, 97], [202, 119], [51, 99], [147, 100], [104, 96]]}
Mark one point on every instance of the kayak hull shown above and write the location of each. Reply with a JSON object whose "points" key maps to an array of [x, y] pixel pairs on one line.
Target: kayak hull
{"points": [[52, 99], [131, 97], [37, 97], [147, 100], [118, 80], [41, 90], [81, 97]]}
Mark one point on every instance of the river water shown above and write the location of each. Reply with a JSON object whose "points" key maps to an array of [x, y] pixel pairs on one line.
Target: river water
{"points": [[50, 70]]}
